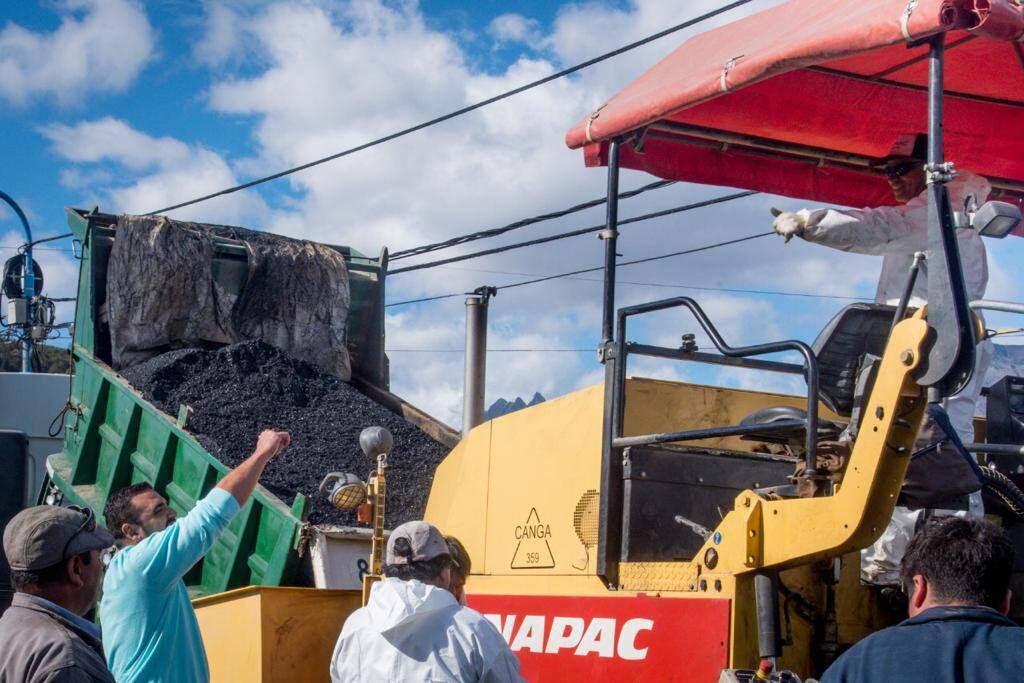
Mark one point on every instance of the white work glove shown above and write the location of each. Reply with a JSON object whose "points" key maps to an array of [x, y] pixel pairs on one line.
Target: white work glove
{"points": [[788, 224]]}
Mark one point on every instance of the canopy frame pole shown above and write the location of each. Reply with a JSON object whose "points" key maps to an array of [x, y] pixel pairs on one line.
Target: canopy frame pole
{"points": [[951, 355], [610, 514], [610, 235]]}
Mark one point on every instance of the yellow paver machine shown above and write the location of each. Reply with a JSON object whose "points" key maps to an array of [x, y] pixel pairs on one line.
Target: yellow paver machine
{"points": [[630, 531]]}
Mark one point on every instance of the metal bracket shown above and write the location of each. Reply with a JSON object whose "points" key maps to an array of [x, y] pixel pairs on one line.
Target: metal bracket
{"points": [[940, 173], [755, 531], [905, 19], [726, 68], [590, 120], [485, 292]]}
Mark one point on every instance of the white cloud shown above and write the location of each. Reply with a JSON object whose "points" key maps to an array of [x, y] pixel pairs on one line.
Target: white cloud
{"points": [[221, 40], [319, 77], [158, 171], [514, 28], [100, 46], [338, 75]]}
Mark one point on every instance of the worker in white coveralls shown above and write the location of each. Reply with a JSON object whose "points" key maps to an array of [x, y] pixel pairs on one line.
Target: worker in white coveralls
{"points": [[413, 628], [896, 233]]}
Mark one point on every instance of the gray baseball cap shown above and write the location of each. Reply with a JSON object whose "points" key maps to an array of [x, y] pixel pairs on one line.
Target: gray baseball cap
{"points": [[424, 539], [42, 536]]}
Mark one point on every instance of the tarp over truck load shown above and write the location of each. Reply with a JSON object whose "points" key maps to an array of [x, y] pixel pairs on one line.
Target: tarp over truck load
{"points": [[163, 293]]}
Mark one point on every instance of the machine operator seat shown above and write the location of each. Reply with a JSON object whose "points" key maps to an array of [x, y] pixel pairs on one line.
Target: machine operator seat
{"points": [[848, 350]]}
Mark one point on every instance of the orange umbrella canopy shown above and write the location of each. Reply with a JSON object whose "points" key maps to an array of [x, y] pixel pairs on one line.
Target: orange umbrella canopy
{"points": [[799, 99]]}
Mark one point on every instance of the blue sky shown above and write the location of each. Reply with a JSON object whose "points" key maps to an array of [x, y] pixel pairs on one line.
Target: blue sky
{"points": [[134, 106]]}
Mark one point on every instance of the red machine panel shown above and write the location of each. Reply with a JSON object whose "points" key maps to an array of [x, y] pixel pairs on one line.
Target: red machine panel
{"points": [[612, 639]]}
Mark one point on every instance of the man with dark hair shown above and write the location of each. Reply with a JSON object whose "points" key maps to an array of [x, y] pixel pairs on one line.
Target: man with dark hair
{"points": [[412, 628], [957, 573], [462, 565], [56, 570], [150, 629]]}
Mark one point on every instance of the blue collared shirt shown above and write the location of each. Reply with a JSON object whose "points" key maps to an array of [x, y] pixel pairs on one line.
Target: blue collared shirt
{"points": [[84, 624], [150, 629]]}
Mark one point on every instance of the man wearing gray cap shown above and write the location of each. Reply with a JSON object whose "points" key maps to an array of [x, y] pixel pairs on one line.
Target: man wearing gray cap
{"points": [[413, 629], [54, 554]]}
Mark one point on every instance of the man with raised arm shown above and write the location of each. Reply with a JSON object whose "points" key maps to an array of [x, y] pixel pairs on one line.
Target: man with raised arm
{"points": [[150, 631]]}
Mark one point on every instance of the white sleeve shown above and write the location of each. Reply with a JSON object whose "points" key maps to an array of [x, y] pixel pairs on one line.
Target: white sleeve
{"points": [[879, 231]]}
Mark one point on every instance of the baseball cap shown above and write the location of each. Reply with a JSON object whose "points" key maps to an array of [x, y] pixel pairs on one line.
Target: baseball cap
{"points": [[42, 536], [424, 539]]}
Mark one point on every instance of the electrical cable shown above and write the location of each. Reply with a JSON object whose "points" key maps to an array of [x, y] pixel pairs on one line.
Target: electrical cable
{"points": [[463, 110], [590, 350], [574, 233], [671, 285], [51, 239], [494, 232], [693, 250], [21, 247]]}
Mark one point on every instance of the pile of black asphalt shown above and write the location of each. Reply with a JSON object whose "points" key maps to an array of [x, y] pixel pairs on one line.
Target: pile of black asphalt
{"points": [[238, 390]]}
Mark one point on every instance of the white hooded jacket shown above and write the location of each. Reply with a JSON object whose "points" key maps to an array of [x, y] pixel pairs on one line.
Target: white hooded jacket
{"points": [[410, 631], [896, 232]]}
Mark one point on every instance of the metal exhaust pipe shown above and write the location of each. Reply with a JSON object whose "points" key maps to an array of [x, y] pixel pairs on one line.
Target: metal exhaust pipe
{"points": [[476, 358]]}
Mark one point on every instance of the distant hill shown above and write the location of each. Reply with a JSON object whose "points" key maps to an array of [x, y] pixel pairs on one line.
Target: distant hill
{"points": [[503, 407], [51, 358]]}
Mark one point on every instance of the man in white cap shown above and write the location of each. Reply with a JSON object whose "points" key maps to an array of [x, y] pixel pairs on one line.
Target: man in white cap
{"points": [[413, 629], [56, 569]]}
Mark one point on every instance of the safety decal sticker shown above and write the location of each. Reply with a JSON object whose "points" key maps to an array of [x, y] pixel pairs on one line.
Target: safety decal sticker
{"points": [[532, 548]]}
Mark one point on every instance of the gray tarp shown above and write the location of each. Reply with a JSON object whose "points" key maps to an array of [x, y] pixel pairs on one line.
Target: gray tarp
{"points": [[162, 293]]}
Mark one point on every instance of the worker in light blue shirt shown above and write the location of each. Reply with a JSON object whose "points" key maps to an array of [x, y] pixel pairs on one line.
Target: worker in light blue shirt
{"points": [[150, 631]]}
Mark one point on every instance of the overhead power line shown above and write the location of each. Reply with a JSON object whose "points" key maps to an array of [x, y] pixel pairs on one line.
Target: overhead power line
{"points": [[545, 278], [491, 350], [494, 232], [463, 110], [51, 239], [35, 249], [573, 233]]}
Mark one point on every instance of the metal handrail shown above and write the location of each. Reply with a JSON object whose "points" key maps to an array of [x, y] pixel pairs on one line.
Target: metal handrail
{"points": [[810, 366], [1004, 306]]}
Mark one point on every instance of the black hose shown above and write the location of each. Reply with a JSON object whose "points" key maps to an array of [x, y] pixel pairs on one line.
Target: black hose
{"points": [[1004, 488], [995, 481]]}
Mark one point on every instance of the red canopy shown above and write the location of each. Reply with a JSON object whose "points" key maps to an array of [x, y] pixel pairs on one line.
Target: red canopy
{"points": [[797, 100]]}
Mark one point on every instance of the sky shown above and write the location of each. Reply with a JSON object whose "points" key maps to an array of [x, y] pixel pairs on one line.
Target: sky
{"points": [[133, 106]]}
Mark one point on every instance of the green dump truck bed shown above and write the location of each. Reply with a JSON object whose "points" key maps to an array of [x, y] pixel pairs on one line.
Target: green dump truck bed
{"points": [[114, 437]]}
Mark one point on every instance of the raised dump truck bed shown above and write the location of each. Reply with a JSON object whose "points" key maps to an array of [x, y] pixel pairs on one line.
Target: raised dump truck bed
{"points": [[115, 437]]}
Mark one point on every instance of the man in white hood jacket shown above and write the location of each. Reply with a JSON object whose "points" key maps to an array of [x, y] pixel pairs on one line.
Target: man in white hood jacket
{"points": [[412, 629], [896, 233]]}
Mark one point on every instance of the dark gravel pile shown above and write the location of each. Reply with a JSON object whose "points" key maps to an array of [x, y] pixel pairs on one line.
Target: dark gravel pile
{"points": [[239, 390]]}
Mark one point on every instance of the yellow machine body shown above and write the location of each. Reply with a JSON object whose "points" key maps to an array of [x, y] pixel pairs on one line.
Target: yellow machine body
{"points": [[522, 493], [263, 634]]}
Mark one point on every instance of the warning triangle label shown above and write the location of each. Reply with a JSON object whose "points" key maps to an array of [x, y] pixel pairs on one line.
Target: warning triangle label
{"points": [[532, 548]]}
